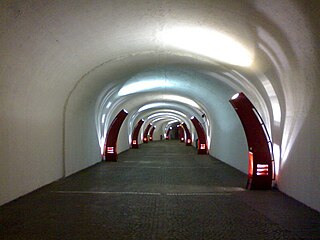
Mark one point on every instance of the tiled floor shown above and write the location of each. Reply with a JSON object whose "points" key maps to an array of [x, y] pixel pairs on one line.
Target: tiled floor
{"points": [[163, 190]]}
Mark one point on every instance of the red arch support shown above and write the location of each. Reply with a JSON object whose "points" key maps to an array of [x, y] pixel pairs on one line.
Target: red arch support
{"points": [[135, 134], [188, 135], [181, 133], [151, 133], [260, 155], [202, 139], [168, 133], [110, 147], [145, 133]]}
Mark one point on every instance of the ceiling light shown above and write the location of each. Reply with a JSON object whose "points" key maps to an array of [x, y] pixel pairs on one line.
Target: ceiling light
{"points": [[208, 42]]}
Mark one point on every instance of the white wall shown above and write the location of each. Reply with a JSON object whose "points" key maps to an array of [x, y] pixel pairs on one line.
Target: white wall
{"points": [[299, 176], [30, 149], [81, 142]]}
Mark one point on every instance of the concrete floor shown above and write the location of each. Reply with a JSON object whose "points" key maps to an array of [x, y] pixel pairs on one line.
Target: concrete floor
{"points": [[163, 190]]}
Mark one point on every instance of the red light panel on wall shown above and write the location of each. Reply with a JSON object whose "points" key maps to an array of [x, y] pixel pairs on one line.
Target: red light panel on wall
{"points": [[187, 134], [262, 169], [110, 150], [202, 139], [135, 134], [145, 133], [260, 154], [250, 165]]}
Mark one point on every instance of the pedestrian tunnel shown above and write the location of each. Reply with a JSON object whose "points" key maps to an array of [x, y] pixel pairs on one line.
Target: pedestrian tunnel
{"points": [[68, 69]]}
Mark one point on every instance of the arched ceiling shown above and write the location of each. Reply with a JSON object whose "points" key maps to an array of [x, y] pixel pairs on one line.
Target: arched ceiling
{"points": [[101, 45], [65, 59]]}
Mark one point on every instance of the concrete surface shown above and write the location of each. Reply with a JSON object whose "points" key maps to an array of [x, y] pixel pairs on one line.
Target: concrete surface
{"points": [[163, 190]]}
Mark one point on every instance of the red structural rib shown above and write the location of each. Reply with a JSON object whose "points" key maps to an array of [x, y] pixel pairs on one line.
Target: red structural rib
{"points": [[151, 133], [260, 155], [181, 133], [188, 135], [110, 147], [168, 133], [202, 139], [145, 133], [135, 134]]}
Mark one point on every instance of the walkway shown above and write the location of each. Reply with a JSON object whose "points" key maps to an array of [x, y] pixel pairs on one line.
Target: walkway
{"points": [[163, 190]]}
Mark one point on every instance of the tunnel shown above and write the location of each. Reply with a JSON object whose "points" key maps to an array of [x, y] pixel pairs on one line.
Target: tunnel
{"points": [[69, 67]]}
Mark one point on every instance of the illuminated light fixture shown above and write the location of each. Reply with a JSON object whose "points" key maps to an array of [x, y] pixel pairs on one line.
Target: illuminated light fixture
{"points": [[202, 146], [209, 43], [151, 105], [276, 109], [181, 99], [250, 165], [166, 113], [235, 96], [170, 127], [151, 138], [108, 105], [157, 119], [134, 142], [262, 169], [276, 152], [110, 150], [182, 139], [144, 139], [143, 85], [171, 122], [103, 118], [189, 141], [192, 117]]}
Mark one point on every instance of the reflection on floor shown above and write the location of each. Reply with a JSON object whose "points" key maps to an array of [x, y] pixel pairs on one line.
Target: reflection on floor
{"points": [[163, 190]]}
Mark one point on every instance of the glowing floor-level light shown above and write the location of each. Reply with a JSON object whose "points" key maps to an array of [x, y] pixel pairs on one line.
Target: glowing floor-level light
{"points": [[208, 42]]}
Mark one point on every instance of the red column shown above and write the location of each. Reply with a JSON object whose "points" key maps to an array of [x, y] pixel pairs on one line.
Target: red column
{"points": [[167, 134], [145, 133], [181, 133], [260, 157], [135, 134], [151, 133], [202, 139], [188, 135], [110, 147]]}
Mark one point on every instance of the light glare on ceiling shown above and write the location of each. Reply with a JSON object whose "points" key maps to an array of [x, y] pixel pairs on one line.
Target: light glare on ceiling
{"points": [[208, 42], [145, 85]]}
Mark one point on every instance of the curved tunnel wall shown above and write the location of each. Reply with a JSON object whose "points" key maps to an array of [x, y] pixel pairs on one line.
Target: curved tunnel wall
{"points": [[57, 57]]}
